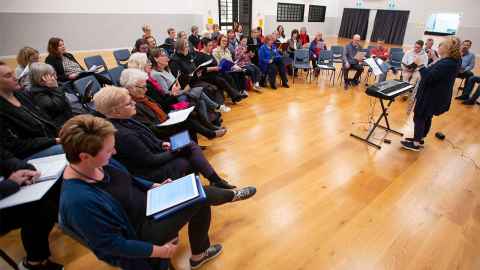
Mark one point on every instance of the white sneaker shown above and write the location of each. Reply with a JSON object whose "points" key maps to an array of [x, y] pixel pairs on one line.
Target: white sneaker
{"points": [[257, 85], [223, 108], [244, 92]]}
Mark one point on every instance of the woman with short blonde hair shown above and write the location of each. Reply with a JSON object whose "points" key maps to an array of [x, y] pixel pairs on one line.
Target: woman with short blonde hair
{"points": [[25, 57]]}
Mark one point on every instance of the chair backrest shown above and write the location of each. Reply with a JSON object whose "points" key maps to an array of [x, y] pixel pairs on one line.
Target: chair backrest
{"points": [[115, 74], [95, 60], [396, 49], [80, 85], [301, 56], [325, 57], [121, 57], [366, 51], [337, 51], [396, 57]]}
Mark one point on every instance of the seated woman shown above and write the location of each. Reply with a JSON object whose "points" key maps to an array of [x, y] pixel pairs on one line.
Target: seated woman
{"points": [[65, 64], [106, 207], [25, 130], [254, 42], [25, 57], [162, 74], [243, 57], [293, 45], [47, 95], [316, 46], [304, 37], [223, 51], [271, 62], [36, 219], [141, 151], [211, 72], [141, 46], [151, 114]]}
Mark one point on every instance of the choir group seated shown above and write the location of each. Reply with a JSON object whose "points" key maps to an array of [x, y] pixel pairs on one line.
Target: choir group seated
{"points": [[118, 149]]}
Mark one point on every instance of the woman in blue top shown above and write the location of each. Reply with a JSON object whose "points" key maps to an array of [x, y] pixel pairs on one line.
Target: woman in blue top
{"points": [[271, 62], [105, 207]]}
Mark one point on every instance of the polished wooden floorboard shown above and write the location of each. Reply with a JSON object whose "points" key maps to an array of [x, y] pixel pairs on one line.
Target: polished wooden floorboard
{"points": [[326, 200]]}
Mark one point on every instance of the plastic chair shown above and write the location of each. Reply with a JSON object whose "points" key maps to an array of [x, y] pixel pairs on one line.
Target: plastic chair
{"points": [[301, 60], [337, 53], [121, 57], [97, 60], [396, 50], [115, 74], [325, 62]]}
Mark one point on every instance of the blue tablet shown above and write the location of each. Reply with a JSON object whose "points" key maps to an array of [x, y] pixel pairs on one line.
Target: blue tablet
{"points": [[180, 140]]}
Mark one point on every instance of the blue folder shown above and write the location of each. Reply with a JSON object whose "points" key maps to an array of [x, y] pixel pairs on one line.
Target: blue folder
{"points": [[180, 140], [200, 198]]}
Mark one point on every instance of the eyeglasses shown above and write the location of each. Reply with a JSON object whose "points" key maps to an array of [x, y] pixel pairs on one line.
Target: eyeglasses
{"points": [[143, 87]]}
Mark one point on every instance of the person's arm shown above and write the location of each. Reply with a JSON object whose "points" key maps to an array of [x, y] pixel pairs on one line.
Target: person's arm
{"points": [[139, 152], [8, 187], [50, 104], [99, 228], [20, 146], [471, 63]]}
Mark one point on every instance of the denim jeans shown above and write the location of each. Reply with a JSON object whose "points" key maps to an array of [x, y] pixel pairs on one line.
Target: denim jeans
{"points": [[52, 150]]}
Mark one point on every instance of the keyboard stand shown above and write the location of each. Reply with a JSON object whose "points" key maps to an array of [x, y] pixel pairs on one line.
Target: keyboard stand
{"points": [[377, 124]]}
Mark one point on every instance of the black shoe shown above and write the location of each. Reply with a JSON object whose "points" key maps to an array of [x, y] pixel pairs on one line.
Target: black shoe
{"points": [[274, 87], [410, 146], [47, 265], [285, 85], [222, 184], [468, 102], [236, 98], [355, 82], [244, 193], [422, 142], [462, 97], [209, 254]]}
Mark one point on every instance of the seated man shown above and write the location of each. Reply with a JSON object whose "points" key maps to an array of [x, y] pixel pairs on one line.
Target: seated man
{"points": [[25, 130], [410, 71], [468, 62], [106, 207], [36, 219], [352, 60], [467, 100], [431, 52], [271, 62], [170, 40]]}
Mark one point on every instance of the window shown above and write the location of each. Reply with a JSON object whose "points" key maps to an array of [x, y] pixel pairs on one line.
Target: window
{"points": [[290, 12], [443, 24], [226, 13], [316, 13], [231, 11]]}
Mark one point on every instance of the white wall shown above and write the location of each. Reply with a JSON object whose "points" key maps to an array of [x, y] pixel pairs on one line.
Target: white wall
{"points": [[420, 10], [98, 6]]}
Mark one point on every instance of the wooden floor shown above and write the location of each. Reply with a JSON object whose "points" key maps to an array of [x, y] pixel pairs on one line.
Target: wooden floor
{"points": [[326, 200]]}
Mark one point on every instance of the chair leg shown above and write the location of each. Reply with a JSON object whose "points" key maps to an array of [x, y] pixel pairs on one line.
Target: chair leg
{"points": [[8, 259]]}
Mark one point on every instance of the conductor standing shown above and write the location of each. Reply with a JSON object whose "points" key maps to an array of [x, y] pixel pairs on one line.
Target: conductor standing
{"points": [[434, 93]]}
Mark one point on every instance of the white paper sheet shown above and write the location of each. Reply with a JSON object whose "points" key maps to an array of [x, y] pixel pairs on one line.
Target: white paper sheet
{"points": [[27, 194], [374, 66], [177, 117], [50, 167]]}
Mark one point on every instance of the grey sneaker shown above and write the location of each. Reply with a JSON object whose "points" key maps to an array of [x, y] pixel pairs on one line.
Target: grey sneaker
{"points": [[244, 193], [209, 254]]}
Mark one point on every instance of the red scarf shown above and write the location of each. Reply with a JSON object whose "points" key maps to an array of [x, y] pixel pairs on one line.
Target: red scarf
{"points": [[161, 115]]}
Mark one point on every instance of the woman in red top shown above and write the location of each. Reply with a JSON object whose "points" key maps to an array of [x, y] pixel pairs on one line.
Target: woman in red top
{"points": [[304, 38]]}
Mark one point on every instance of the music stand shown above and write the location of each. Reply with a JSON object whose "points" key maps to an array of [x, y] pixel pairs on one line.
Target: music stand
{"points": [[377, 124]]}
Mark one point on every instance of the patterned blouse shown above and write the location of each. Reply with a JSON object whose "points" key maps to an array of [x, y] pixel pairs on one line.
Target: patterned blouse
{"points": [[70, 66]]}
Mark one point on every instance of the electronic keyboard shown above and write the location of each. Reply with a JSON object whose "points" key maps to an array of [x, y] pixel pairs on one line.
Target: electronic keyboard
{"points": [[388, 89]]}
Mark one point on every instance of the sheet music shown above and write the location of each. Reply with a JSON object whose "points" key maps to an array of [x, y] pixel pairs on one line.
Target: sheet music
{"points": [[176, 117], [50, 167], [374, 66], [27, 194], [171, 194]]}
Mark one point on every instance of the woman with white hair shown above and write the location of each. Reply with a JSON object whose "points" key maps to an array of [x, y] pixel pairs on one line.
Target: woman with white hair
{"points": [[151, 114], [47, 95], [141, 151]]}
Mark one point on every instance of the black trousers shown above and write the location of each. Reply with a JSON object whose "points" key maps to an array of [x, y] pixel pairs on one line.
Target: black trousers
{"points": [[422, 125], [465, 75], [358, 73], [277, 66], [224, 82], [36, 220], [198, 218]]}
